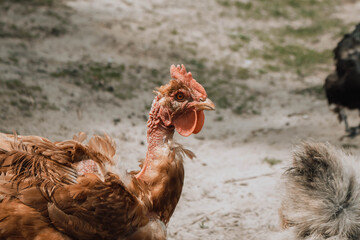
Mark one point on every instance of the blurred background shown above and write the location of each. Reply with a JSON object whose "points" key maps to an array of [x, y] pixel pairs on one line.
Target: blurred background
{"points": [[91, 65]]}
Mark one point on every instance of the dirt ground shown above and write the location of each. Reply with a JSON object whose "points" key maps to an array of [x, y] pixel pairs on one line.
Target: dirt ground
{"points": [[91, 65]]}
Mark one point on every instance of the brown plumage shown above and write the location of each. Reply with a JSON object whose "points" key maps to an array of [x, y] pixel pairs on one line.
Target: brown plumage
{"points": [[71, 190]]}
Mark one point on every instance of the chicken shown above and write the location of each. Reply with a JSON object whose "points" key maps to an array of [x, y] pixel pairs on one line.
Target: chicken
{"points": [[342, 87], [322, 194], [70, 190]]}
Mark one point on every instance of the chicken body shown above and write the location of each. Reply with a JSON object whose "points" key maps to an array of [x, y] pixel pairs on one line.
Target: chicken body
{"points": [[69, 190], [322, 194], [343, 86]]}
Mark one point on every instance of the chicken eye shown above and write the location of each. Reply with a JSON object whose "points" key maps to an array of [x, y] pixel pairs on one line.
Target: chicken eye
{"points": [[180, 96]]}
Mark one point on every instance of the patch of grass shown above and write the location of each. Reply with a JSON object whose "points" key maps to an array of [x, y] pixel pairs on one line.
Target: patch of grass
{"points": [[247, 106], [301, 32], [287, 9], [120, 80], [240, 37], [316, 28], [298, 58], [316, 91], [272, 68], [291, 48], [6, 131], [223, 102], [198, 64], [154, 72], [272, 161], [239, 40], [98, 76], [224, 3], [25, 97], [13, 31], [21, 88], [232, 95], [54, 21], [219, 119], [236, 47], [344, 29], [263, 36], [243, 6], [243, 73], [32, 2], [349, 146]]}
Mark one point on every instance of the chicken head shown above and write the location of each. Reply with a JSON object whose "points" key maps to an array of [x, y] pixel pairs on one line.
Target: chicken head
{"points": [[182, 102]]}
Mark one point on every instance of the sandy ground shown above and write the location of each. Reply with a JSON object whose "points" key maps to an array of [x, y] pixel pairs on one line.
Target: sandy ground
{"points": [[230, 192]]}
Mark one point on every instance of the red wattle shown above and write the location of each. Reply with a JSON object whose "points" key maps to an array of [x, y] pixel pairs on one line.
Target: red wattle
{"points": [[189, 122], [200, 121]]}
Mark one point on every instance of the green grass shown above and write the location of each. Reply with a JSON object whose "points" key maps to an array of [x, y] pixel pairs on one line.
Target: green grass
{"points": [[232, 95], [286, 9], [239, 39], [31, 2], [236, 47], [247, 105], [55, 21], [25, 97], [316, 91], [243, 73], [6, 131], [225, 3], [297, 58], [285, 48], [272, 68], [120, 80], [243, 6], [21, 88], [219, 119], [13, 31], [99, 76], [272, 161], [344, 29], [318, 27], [349, 146]]}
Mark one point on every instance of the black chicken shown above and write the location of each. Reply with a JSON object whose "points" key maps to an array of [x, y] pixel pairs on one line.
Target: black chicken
{"points": [[343, 86]]}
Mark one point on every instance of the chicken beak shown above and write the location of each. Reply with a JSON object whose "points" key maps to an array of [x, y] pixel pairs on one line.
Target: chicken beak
{"points": [[205, 105]]}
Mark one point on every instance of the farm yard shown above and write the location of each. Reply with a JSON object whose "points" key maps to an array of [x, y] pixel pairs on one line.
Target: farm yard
{"points": [[90, 65]]}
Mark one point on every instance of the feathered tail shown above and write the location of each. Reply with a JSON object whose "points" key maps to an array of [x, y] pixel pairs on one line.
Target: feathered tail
{"points": [[322, 196]]}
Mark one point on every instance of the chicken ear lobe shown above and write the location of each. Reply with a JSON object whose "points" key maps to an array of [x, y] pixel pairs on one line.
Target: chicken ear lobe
{"points": [[189, 122], [165, 116]]}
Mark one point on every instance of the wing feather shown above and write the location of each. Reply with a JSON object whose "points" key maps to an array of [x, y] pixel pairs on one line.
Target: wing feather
{"points": [[41, 175]]}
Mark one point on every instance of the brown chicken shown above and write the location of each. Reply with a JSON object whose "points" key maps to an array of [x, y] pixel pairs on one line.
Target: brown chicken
{"points": [[67, 190]]}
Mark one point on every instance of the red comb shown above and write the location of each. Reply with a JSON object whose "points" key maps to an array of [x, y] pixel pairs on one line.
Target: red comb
{"points": [[180, 74]]}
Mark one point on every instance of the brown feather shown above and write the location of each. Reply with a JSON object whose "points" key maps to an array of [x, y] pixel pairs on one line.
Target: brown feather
{"points": [[65, 189], [40, 172], [18, 221], [165, 180]]}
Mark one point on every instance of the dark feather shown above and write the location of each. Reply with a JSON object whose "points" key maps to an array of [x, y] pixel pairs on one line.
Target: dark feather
{"points": [[343, 87]]}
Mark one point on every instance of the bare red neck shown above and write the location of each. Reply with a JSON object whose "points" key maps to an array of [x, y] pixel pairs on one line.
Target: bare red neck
{"points": [[157, 135], [163, 170]]}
